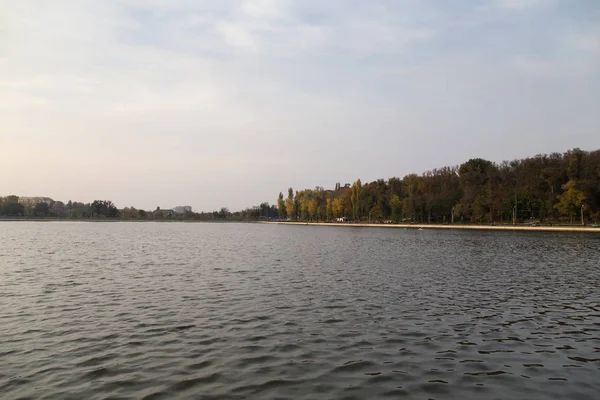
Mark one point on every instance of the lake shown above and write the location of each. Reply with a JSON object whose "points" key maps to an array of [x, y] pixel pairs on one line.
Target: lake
{"points": [[237, 311]]}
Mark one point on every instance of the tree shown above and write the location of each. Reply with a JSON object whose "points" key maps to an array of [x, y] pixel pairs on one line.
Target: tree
{"points": [[11, 207], [290, 204], [570, 200], [474, 178], [59, 209], [312, 209], [337, 208], [41, 209], [355, 199], [376, 213], [224, 213], [281, 206], [304, 214], [396, 206], [105, 208], [329, 210]]}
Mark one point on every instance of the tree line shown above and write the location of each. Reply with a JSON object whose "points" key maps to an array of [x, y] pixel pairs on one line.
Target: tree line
{"points": [[547, 188], [42, 207], [14, 206]]}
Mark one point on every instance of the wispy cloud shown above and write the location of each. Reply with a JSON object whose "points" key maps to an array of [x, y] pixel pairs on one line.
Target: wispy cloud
{"points": [[585, 41], [522, 4]]}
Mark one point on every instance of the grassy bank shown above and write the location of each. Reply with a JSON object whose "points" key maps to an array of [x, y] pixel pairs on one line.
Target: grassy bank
{"points": [[436, 226]]}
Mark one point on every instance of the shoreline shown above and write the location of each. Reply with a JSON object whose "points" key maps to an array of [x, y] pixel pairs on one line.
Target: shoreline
{"points": [[439, 226], [559, 228], [90, 220]]}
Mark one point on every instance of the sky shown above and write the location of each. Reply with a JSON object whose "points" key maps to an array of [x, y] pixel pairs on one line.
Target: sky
{"points": [[226, 103]]}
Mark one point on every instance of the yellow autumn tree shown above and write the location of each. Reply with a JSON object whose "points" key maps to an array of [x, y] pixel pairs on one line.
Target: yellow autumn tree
{"points": [[290, 204], [312, 208], [570, 200], [329, 209], [337, 207]]}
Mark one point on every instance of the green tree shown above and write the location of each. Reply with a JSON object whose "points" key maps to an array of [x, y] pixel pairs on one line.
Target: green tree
{"points": [[41, 209], [11, 207], [355, 199], [104, 208], [396, 206], [474, 177]]}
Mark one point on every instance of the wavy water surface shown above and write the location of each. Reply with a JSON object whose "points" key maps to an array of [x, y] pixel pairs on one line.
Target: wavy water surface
{"points": [[213, 311]]}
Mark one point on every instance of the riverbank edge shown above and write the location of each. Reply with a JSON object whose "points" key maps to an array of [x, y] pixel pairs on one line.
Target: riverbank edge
{"points": [[438, 226], [90, 220], [336, 224]]}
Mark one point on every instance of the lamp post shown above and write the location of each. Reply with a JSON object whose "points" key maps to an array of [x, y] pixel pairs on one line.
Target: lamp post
{"points": [[582, 221], [452, 216], [515, 210]]}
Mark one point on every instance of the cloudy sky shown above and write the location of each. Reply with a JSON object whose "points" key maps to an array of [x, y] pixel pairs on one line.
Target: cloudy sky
{"points": [[225, 103]]}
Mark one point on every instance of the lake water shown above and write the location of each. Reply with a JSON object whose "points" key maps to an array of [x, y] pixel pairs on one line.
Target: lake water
{"points": [[214, 311]]}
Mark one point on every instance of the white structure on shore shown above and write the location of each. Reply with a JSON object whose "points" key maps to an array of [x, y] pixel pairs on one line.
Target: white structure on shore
{"points": [[182, 209]]}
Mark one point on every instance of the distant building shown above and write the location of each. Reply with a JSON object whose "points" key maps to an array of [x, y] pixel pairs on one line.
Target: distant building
{"points": [[165, 213], [179, 210], [182, 209]]}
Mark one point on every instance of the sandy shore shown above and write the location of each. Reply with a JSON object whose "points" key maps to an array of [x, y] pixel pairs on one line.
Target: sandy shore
{"points": [[434, 226]]}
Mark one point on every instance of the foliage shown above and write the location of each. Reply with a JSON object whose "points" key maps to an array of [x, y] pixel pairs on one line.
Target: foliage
{"points": [[541, 188], [104, 208], [337, 207], [329, 209], [290, 204], [570, 200], [551, 188], [355, 199], [396, 207], [281, 206], [41, 209], [10, 206]]}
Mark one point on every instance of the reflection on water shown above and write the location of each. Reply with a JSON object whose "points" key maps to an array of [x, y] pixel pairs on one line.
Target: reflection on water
{"points": [[171, 310]]}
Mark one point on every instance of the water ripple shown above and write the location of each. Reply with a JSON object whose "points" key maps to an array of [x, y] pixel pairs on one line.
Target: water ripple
{"points": [[160, 311]]}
